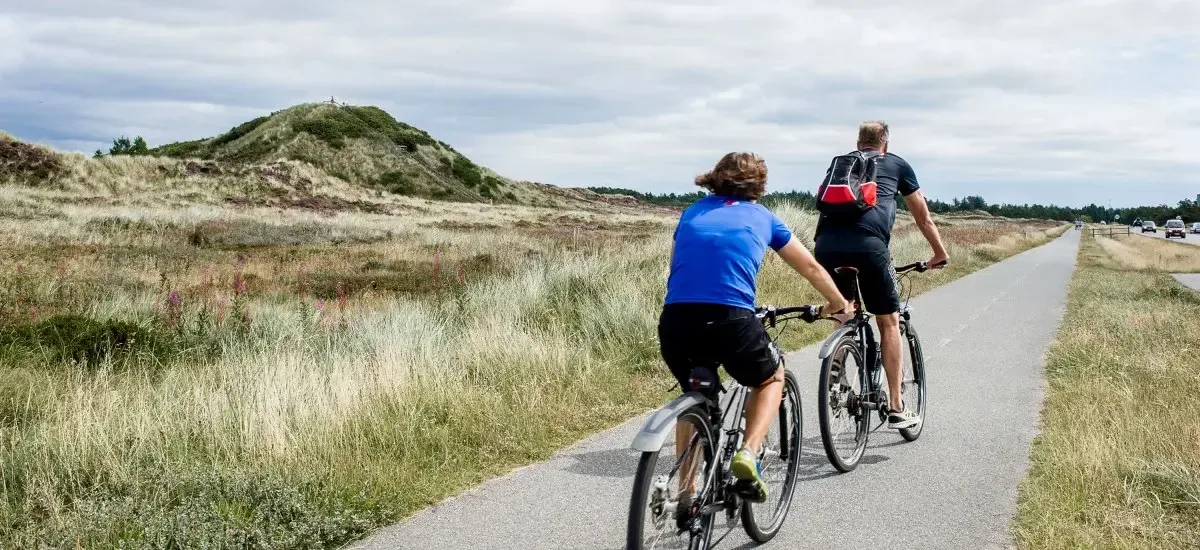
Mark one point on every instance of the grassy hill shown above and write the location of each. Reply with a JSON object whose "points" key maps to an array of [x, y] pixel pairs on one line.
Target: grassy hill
{"points": [[361, 145], [354, 153]]}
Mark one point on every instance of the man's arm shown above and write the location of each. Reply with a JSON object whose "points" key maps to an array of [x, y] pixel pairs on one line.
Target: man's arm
{"points": [[920, 212]]}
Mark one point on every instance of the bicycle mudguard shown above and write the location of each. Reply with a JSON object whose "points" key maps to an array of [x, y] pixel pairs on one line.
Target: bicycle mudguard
{"points": [[831, 340], [658, 427]]}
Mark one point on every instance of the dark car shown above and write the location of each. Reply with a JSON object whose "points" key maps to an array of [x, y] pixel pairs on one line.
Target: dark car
{"points": [[1148, 227], [1174, 228], [1137, 222]]}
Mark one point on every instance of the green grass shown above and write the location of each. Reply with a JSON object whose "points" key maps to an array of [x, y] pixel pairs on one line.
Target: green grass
{"points": [[1117, 464]]}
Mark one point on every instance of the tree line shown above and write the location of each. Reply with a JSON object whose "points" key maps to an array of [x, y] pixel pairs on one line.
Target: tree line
{"points": [[1186, 209]]}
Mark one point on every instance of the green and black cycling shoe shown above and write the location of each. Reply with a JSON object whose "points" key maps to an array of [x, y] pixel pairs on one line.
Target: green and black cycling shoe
{"points": [[748, 471]]}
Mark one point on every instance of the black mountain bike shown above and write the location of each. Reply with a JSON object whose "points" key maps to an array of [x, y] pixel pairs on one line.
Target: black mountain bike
{"points": [[684, 483], [849, 395]]}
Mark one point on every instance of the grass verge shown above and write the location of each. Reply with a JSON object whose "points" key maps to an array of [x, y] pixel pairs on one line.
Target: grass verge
{"points": [[1117, 464]]}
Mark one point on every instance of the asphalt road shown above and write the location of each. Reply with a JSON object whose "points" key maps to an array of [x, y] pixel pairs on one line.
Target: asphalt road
{"points": [[1191, 280], [1192, 238], [956, 487]]}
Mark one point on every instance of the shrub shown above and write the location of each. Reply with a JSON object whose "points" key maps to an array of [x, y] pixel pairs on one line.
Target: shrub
{"points": [[239, 131], [465, 171], [396, 182], [324, 130], [254, 151], [335, 126], [123, 146], [65, 338], [184, 149], [23, 163]]}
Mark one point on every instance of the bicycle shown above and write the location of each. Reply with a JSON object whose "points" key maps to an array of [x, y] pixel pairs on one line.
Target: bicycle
{"points": [[715, 415], [858, 394]]}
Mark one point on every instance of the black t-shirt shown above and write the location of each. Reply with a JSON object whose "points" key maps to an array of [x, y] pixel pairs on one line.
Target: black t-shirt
{"points": [[894, 178]]}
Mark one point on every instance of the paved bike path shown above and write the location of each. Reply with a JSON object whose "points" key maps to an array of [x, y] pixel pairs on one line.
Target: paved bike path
{"points": [[956, 487]]}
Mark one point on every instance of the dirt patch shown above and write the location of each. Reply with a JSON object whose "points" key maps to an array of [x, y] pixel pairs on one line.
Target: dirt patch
{"points": [[206, 168]]}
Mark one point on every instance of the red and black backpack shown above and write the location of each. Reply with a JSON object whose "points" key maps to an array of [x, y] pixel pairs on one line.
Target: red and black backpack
{"points": [[849, 186]]}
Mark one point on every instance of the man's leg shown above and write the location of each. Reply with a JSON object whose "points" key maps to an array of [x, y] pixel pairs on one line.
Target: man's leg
{"points": [[878, 284], [761, 409], [889, 344]]}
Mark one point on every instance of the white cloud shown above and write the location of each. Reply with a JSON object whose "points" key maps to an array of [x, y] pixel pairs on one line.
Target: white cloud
{"points": [[646, 94], [11, 44]]}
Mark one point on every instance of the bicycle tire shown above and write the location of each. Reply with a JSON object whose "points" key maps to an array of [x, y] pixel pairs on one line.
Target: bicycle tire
{"points": [[644, 484], [791, 428], [917, 356], [847, 344]]}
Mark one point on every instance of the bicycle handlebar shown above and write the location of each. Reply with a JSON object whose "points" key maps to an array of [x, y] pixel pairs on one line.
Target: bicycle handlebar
{"points": [[771, 314], [919, 267], [812, 313]]}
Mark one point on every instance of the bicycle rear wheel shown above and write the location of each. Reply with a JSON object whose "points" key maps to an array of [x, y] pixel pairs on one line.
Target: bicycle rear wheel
{"points": [[843, 418], [780, 458], [661, 475], [913, 379]]}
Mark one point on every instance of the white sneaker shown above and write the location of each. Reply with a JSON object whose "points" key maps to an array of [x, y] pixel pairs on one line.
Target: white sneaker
{"points": [[903, 419]]}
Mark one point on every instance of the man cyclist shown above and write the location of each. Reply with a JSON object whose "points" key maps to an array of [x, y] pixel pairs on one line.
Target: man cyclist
{"points": [[708, 314], [862, 243]]}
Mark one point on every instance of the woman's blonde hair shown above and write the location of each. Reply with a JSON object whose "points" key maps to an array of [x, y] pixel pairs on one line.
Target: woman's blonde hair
{"points": [[737, 175]]}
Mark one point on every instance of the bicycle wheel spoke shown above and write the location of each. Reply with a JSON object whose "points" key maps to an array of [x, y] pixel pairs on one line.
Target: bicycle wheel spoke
{"points": [[763, 520], [677, 479]]}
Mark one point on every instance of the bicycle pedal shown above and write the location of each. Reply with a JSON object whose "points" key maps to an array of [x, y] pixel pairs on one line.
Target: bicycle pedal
{"points": [[748, 491]]}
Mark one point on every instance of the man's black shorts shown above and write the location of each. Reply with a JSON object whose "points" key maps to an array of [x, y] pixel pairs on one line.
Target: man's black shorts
{"points": [[692, 335], [876, 275]]}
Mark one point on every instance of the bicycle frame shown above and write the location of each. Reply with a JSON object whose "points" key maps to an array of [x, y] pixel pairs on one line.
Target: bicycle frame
{"points": [[872, 361], [725, 406]]}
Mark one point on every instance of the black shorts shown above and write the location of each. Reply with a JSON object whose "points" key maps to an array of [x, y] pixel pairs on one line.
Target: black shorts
{"points": [[691, 335], [876, 275]]}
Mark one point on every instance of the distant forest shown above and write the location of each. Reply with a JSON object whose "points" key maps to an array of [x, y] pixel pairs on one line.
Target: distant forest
{"points": [[1187, 209]]}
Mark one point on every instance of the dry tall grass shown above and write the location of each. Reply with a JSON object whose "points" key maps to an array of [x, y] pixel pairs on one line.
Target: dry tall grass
{"points": [[1150, 254], [296, 378], [1117, 464]]}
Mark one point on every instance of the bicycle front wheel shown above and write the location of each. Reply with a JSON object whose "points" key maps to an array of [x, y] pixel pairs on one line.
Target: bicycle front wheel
{"points": [[660, 513], [913, 379], [780, 457], [843, 418]]}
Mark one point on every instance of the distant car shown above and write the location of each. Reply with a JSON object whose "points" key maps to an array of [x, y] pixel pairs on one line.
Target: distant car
{"points": [[1174, 228], [1137, 223], [1103, 223], [1148, 227], [1196, 227]]}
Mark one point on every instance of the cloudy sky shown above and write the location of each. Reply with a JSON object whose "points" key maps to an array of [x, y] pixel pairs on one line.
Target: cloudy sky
{"points": [[1069, 101]]}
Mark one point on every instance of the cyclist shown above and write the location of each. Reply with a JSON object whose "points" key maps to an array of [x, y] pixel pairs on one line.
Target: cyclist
{"points": [[862, 243], [708, 313]]}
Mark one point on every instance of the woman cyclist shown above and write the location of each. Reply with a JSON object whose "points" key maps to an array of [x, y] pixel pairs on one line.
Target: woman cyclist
{"points": [[708, 314]]}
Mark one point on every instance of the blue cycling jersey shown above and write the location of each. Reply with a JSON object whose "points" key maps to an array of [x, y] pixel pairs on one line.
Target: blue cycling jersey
{"points": [[719, 247]]}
